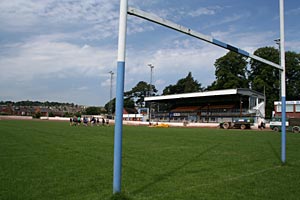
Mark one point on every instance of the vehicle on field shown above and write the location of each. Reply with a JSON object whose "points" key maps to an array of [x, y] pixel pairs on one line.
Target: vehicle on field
{"points": [[292, 124], [239, 123], [292, 116]]}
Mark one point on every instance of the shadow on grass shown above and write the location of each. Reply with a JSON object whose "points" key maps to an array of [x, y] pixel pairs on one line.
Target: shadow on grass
{"points": [[275, 152], [120, 196], [164, 176]]}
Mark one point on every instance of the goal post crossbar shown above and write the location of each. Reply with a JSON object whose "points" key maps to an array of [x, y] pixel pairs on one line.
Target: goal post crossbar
{"points": [[153, 18]]}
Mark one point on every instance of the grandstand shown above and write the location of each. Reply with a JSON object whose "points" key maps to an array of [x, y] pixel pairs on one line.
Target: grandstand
{"points": [[210, 106]]}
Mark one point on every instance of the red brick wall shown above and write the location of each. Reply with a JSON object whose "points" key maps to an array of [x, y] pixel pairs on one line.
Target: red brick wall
{"points": [[293, 114]]}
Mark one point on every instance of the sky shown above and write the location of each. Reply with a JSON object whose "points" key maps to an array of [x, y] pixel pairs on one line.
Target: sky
{"points": [[63, 50]]}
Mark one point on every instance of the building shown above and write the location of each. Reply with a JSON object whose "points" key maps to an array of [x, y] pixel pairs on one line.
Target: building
{"points": [[131, 114], [209, 106], [292, 109], [6, 110]]}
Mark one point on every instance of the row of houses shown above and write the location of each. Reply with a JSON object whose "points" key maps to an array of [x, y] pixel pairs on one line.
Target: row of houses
{"points": [[39, 110]]}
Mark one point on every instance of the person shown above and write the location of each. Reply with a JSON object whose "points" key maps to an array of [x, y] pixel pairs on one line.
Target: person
{"points": [[78, 120], [261, 123], [103, 121], [93, 121], [74, 121], [71, 121], [107, 122], [85, 121], [98, 121]]}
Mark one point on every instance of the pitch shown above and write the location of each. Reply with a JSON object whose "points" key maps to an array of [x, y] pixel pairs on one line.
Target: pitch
{"points": [[52, 160]]}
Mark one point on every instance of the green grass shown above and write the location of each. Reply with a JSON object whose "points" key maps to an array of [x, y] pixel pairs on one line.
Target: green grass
{"points": [[51, 160]]}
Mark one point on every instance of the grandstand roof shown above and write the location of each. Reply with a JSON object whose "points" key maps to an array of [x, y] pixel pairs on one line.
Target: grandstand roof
{"points": [[238, 91]]}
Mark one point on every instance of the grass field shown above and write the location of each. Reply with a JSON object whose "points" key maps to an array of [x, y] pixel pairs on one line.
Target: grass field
{"points": [[51, 160]]}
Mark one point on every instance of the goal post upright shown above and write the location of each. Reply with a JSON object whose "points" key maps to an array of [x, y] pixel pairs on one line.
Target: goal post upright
{"points": [[283, 83], [117, 171]]}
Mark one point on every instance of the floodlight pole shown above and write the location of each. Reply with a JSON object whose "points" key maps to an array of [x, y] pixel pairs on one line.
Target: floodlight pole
{"points": [[278, 43], [150, 91], [120, 98], [110, 100], [283, 83], [151, 74]]}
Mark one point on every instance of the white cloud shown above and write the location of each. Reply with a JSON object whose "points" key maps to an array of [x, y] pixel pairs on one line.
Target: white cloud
{"points": [[89, 11], [88, 20], [17, 14], [41, 56], [248, 41], [203, 11], [171, 64], [293, 46], [226, 20], [294, 11], [82, 88], [59, 11], [106, 82]]}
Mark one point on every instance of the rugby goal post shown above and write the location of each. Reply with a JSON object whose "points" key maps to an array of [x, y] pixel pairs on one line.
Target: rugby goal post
{"points": [[124, 10]]}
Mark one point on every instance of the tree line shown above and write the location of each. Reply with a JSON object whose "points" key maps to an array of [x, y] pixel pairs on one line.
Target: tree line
{"points": [[232, 71], [37, 103]]}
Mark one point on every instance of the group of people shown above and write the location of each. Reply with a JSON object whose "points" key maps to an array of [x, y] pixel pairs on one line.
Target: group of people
{"points": [[76, 121]]}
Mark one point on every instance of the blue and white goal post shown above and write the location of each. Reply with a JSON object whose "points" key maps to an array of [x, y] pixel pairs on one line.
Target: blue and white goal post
{"points": [[124, 10]]}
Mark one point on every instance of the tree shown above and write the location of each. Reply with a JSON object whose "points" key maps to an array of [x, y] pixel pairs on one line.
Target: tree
{"points": [[139, 92], [184, 85], [128, 103], [37, 115], [265, 78], [51, 114], [110, 105], [93, 110], [292, 64], [231, 72]]}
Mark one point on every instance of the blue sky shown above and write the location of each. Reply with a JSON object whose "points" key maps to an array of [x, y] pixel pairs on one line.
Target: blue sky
{"points": [[62, 50]]}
